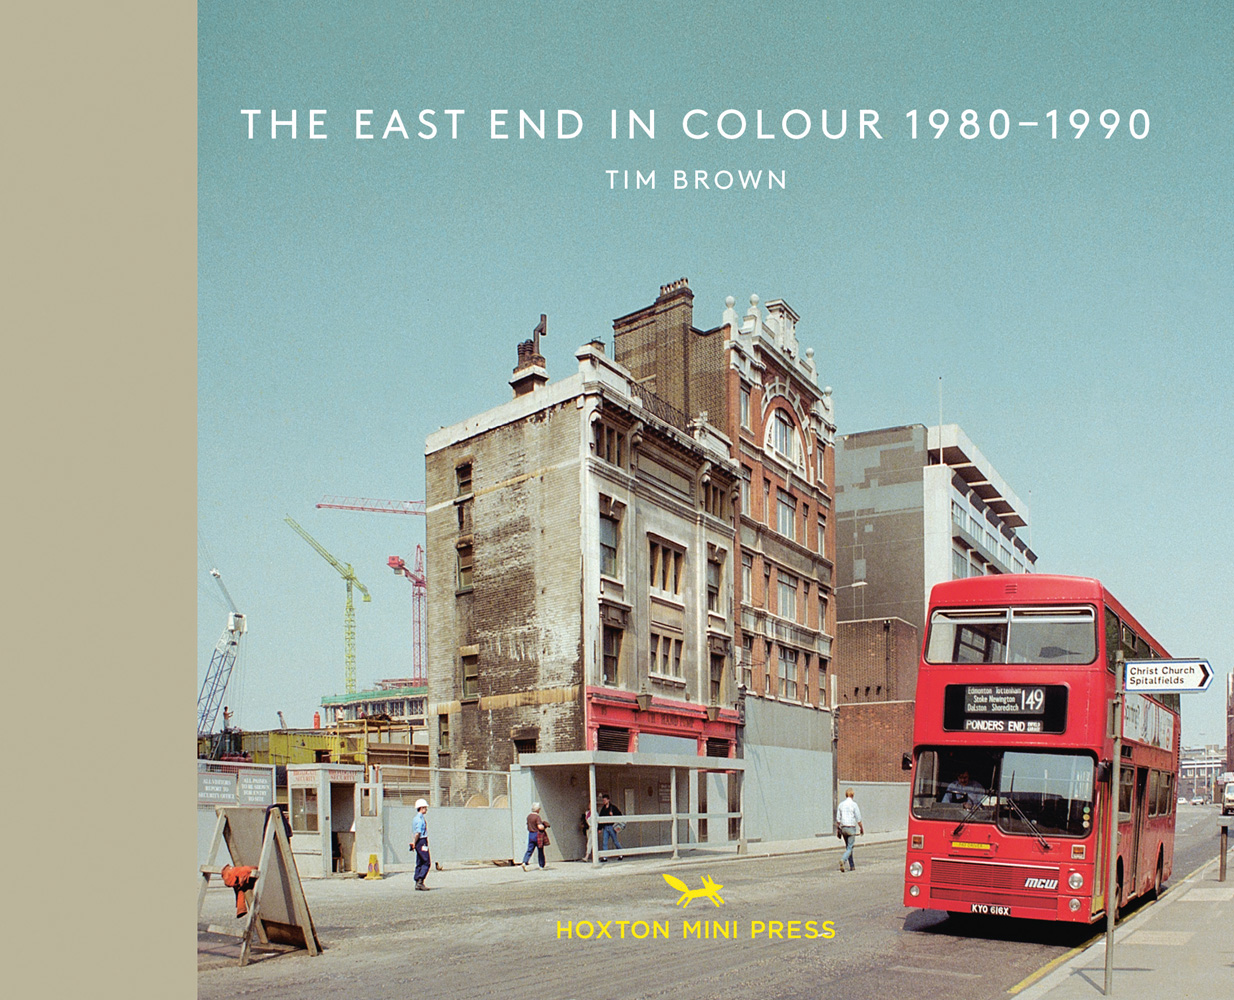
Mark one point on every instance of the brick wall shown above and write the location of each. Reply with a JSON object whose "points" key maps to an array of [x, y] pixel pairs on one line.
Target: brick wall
{"points": [[523, 614], [876, 660], [872, 739]]}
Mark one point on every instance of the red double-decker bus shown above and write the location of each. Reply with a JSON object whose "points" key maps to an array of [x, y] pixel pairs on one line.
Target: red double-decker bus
{"points": [[1013, 753]]}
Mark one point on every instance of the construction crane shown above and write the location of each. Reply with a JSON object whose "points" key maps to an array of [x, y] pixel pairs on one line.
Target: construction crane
{"points": [[419, 582], [349, 620], [221, 663], [419, 607]]}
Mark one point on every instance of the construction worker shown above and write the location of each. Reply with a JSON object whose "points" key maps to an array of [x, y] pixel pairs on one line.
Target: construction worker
{"points": [[419, 842]]}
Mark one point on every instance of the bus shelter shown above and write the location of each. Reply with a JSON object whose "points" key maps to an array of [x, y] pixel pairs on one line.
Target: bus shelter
{"points": [[669, 802]]}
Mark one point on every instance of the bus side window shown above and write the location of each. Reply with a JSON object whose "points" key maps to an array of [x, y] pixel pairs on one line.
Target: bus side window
{"points": [[1113, 633]]}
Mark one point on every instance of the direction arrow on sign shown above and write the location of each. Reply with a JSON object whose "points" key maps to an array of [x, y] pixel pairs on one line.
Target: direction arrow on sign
{"points": [[1168, 675]]}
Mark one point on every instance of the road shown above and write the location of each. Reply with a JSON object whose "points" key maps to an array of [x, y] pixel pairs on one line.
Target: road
{"points": [[501, 932]]}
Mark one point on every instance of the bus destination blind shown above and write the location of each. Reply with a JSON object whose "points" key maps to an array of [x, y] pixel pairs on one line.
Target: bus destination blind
{"points": [[1005, 708]]}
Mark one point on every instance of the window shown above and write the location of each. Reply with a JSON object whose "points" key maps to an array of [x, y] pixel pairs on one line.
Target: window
{"points": [[767, 501], [766, 585], [957, 514], [788, 674], [768, 666], [786, 510], [959, 565], [1023, 635], [822, 535], [820, 452], [611, 660], [610, 444], [666, 566], [471, 676], [822, 613], [462, 477], [747, 661], [745, 490], [713, 585], [747, 582], [783, 437], [665, 655], [608, 545], [713, 500], [443, 733], [717, 677], [745, 407], [304, 810], [1026, 793], [786, 594], [464, 566]]}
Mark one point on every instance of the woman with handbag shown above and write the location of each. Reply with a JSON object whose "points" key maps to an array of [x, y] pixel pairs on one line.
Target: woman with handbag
{"points": [[537, 835]]}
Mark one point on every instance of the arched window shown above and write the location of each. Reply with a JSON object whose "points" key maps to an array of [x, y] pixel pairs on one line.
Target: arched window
{"points": [[784, 440]]}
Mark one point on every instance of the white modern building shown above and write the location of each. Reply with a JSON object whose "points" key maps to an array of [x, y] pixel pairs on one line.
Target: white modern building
{"points": [[916, 506]]}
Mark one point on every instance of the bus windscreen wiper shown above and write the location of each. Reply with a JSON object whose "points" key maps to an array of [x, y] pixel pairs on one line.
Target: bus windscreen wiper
{"points": [[1045, 845]]}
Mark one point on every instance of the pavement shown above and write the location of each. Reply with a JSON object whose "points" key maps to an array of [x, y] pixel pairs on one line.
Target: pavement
{"points": [[452, 874], [1178, 948]]}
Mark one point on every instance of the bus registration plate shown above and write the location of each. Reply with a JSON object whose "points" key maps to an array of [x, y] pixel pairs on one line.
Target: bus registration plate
{"points": [[990, 909]]}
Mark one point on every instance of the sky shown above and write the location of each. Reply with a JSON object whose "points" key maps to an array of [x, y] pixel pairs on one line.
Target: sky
{"points": [[1074, 294]]}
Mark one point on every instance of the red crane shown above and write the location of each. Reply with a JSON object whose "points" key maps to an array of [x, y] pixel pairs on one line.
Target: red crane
{"points": [[419, 582]]}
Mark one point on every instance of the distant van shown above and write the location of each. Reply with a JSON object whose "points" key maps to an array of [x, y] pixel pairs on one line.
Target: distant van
{"points": [[1227, 800]]}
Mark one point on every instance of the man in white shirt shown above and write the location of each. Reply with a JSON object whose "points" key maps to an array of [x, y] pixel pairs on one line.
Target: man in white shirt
{"points": [[848, 825]]}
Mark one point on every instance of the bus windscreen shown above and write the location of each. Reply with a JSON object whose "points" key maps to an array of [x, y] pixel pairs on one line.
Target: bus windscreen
{"points": [[1023, 792], [1013, 635]]}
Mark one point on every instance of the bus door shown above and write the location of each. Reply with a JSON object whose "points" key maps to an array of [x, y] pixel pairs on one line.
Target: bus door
{"points": [[1139, 809]]}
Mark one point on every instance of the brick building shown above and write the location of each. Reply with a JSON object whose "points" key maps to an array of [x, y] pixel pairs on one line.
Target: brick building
{"points": [[750, 377], [580, 554]]}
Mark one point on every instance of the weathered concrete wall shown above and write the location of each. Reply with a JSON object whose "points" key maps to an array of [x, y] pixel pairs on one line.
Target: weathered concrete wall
{"points": [[788, 771], [454, 834], [884, 805], [879, 512]]}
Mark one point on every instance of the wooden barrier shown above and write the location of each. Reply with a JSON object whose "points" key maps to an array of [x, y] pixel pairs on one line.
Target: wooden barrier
{"points": [[278, 913]]}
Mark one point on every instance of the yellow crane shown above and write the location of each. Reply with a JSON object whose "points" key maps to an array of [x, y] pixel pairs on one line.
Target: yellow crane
{"points": [[349, 621]]}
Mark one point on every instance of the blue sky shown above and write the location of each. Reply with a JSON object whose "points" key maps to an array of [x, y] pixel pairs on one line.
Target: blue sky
{"points": [[354, 295]]}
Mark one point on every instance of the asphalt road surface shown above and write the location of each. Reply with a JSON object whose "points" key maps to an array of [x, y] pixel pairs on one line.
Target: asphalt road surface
{"points": [[501, 932]]}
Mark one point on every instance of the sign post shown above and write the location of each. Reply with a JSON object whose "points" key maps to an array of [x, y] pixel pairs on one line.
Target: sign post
{"points": [[1113, 898], [1154, 676]]}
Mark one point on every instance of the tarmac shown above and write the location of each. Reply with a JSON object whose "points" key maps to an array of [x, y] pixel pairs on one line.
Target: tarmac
{"points": [[1181, 947]]}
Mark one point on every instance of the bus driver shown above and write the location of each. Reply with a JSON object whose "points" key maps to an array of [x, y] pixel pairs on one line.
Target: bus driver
{"points": [[964, 790]]}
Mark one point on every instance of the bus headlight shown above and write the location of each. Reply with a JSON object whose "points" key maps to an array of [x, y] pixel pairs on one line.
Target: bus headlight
{"points": [[915, 869], [1075, 880], [914, 890], [1073, 905]]}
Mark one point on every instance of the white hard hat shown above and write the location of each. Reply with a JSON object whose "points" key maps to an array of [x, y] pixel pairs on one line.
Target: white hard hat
{"points": [[421, 802]]}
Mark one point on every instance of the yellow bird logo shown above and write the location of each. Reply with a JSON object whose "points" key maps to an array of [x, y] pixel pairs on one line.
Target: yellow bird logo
{"points": [[710, 890]]}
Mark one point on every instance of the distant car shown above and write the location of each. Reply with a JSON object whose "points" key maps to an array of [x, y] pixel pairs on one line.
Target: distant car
{"points": [[1227, 800], [1198, 800], [1182, 800]]}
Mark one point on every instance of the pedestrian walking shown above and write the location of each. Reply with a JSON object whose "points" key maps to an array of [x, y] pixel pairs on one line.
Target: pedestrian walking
{"points": [[848, 826], [419, 843], [608, 827], [537, 835]]}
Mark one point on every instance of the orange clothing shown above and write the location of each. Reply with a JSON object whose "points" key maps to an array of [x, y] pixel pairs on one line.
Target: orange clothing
{"points": [[240, 878]]}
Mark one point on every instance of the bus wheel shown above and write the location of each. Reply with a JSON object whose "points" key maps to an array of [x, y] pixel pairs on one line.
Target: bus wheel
{"points": [[1157, 879], [1118, 896]]}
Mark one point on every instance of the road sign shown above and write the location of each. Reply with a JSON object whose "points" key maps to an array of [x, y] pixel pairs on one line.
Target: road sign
{"points": [[1168, 675]]}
